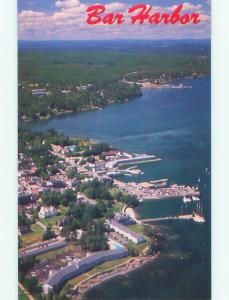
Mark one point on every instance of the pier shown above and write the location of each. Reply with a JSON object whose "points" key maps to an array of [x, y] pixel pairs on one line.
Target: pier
{"points": [[137, 159], [195, 217]]}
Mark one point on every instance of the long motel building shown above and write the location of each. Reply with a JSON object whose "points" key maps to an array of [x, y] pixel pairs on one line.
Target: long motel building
{"points": [[42, 247], [61, 276], [126, 232]]}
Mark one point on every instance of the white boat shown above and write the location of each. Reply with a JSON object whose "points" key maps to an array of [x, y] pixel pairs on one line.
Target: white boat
{"points": [[195, 198], [186, 200]]}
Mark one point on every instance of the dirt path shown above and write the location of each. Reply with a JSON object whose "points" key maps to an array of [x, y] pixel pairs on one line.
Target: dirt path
{"points": [[25, 291]]}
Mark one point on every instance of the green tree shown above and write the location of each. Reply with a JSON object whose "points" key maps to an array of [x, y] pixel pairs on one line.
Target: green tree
{"points": [[31, 284], [48, 234]]}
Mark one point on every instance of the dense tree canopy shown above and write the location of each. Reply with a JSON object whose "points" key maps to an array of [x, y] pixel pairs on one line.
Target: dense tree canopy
{"points": [[100, 72]]}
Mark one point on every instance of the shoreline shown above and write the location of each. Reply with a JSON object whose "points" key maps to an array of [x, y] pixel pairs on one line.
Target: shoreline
{"points": [[68, 112], [127, 267], [133, 214]]}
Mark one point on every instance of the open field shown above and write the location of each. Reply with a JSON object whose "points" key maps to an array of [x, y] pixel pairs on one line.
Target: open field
{"points": [[52, 221], [34, 236], [136, 228], [69, 248]]}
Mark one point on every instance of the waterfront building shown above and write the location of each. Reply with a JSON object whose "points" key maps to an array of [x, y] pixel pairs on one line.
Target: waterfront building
{"points": [[78, 267], [123, 218], [126, 232]]}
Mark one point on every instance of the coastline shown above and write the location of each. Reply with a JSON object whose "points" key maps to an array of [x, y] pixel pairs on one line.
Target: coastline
{"points": [[127, 267], [133, 214], [67, 111]]}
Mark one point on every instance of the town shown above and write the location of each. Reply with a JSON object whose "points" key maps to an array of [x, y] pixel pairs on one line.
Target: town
{"points": [[77, 225]]}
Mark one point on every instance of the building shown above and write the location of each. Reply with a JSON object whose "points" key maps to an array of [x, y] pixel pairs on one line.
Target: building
{"points": [[126, 232], [39, 92], [46, 212], [57, 148], [76, 268], [71, 148], [124, 218], [42, 248], [24, 197], [145, 185]]}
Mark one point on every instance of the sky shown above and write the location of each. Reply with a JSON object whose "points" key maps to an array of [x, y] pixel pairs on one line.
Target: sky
{"points": [[66, 20]]}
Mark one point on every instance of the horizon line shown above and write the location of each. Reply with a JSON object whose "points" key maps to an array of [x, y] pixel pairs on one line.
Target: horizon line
{"points": [[120, 39]]}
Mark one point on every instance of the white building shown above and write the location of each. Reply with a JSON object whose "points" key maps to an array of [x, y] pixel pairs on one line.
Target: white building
{"points": [[126, 232], [59, 277], [46, 212]]}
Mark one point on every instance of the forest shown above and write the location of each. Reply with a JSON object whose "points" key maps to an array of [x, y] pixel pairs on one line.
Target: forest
{"points": [[76, 80]]}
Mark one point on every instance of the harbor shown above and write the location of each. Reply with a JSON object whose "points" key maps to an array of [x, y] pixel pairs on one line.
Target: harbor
{"points": [[145, 191], [175, 165]]}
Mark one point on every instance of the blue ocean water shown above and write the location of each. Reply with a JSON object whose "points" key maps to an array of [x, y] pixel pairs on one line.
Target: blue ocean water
{"points": [[175, 125]]}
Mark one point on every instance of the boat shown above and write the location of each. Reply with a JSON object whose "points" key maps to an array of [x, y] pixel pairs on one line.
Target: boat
{"points": [[186, 200], [194, 198]]}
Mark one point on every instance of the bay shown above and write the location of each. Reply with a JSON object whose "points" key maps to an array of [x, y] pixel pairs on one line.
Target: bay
{"points": [[173, 124]]}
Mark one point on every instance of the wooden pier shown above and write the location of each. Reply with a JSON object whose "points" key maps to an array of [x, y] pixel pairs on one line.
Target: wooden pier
{"points": [[195, 217]]}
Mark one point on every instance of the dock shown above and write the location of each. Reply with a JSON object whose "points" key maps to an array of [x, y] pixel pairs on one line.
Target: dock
{"points": [[195, 217]]}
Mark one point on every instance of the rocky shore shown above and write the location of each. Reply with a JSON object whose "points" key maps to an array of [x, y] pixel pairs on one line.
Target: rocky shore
{"points": [[96, 279]]}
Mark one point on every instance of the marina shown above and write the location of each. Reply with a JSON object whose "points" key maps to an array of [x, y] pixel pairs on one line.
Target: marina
{"points": [[144, 191]]}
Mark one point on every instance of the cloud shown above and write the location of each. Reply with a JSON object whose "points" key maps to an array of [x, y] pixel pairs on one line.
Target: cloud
{"points": [[68, 21], [67, 3], [188, 6]]}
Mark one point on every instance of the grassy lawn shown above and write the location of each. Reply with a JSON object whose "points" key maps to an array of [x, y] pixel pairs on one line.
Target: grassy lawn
{"points": [[77, 279], [22, 295], [101, 268], [55, 252], [37, 228], [107, 265], [63, 209], [52, 221], [136, 228], [34, 236]]}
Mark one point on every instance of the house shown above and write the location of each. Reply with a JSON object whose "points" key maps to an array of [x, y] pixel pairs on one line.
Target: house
{"points": [[78, 267], [124, 218], [126, 232], [46, 212]]}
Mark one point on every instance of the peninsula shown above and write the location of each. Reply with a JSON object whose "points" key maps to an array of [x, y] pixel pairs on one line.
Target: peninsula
{"points": [[76, 228]]}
